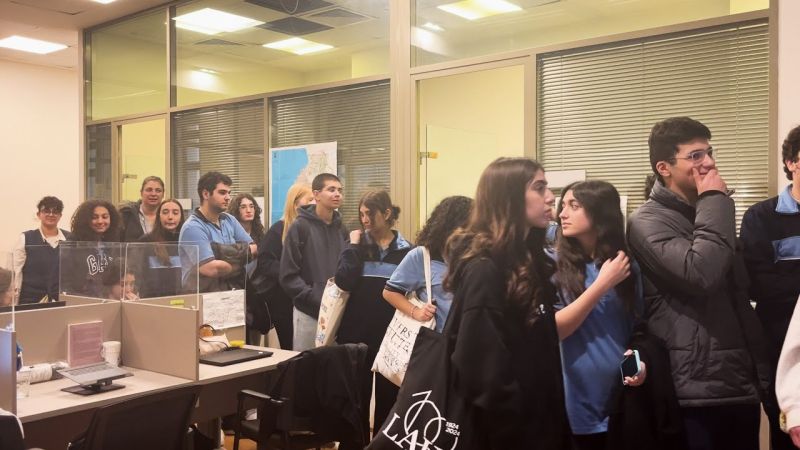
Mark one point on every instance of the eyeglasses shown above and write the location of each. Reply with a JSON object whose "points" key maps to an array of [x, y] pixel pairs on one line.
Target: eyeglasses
{"points": [[698, 156], [50, 212]]}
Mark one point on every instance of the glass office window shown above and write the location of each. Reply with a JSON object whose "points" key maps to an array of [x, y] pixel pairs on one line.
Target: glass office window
{"points": [[357, 119], [445, 30], [128, 68], [227, 139], [596, 106], [233, 48], [98, 161], [465, 122]]}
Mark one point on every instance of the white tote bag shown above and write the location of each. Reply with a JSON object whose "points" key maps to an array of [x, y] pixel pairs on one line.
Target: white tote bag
{"points": [[331, 310], [395, 351]]}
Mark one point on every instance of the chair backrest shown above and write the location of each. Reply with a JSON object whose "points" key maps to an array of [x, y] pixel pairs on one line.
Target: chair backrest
{"points": [[295, 386], [300, 378], [155, 422]]}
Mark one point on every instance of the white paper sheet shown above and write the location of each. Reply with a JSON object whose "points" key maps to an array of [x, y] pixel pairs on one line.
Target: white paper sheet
{"points": [[224, 309]]}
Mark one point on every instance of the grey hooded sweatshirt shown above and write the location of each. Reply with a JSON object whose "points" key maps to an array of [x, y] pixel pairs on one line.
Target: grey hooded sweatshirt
{"points": [[310, 256]]}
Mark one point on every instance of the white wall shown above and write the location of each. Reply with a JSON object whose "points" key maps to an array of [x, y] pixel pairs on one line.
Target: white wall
{"points": [[39, 144]]}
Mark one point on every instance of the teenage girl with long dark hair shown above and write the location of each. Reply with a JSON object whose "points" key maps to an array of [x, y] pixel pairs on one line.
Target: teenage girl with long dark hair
{"points": [[506, 360], [600, 295]]}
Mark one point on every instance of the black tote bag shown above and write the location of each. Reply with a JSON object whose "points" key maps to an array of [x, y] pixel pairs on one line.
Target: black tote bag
{"points": [[428, 414]]}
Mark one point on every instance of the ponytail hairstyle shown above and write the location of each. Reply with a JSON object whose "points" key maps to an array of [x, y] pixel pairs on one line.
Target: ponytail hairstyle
{"points": [[376, 202]]}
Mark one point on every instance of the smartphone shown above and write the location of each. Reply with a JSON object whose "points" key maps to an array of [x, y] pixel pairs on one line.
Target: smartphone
{"points": [[630, 366]]}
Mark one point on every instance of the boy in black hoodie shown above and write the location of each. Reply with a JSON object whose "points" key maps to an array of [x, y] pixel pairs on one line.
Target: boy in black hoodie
{"points": [[311, 254]]}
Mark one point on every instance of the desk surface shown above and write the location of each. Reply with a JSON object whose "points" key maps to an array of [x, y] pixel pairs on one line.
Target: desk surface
{"points": [[48, 400], [211, 374]]}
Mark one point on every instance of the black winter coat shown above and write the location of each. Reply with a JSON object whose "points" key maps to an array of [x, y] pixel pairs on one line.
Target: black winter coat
{"points": [[695, 288]]}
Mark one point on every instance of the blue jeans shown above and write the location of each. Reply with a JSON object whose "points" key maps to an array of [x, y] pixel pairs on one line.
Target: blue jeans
{"points": [[305, 328]]}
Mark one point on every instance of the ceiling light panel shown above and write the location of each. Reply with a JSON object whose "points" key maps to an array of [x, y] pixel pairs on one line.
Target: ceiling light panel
{"points": [[211, 21], [298, 46], [31, 45], [478, 9]]}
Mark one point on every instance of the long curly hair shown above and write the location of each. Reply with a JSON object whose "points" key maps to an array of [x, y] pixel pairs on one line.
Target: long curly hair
{"points": [[450, 214], [82, 222], [600, 201], [498, 229], [257, 227]]}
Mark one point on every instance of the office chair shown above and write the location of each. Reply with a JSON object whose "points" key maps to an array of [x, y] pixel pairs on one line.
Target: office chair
{"points": [[155, 422], [294, 416], [10, 433]]}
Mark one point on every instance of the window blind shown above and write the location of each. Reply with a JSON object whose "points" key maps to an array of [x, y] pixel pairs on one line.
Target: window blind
{"points": [[357, 118], [227, 139], [596, 105], [98, 162]]}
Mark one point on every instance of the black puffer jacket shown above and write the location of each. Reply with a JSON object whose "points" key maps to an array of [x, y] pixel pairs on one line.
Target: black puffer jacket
{"points": [[695, 289]]}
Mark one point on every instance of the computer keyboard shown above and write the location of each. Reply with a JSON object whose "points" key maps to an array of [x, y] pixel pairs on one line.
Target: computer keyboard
{"points": [[101, 372], [99, 367]]}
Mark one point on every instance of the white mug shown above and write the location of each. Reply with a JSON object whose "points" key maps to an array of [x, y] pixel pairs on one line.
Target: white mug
{"points": [[111, 352]]}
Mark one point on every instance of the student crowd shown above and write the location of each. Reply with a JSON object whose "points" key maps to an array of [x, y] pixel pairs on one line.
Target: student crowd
{"points": [[543, 320]]}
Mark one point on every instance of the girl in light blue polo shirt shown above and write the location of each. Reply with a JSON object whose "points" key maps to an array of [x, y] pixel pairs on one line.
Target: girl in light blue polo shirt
{"points": [[600, 298], [449, 214]]}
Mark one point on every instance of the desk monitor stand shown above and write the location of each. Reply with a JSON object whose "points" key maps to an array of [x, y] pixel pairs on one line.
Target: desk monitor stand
{"points": [[103, 386]]}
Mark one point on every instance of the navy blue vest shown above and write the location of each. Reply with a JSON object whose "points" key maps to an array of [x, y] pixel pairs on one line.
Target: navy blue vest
{"points": [[41, 269]]}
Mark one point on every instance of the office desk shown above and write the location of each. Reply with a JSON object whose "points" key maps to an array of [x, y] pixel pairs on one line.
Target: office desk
{"points": [[51, 417], [221, 384]]}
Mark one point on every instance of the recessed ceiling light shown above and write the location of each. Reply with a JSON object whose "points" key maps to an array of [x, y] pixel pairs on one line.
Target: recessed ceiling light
{"points": [[211, 21], [478, 9], [31, 45], [432, 26], [212, 72], [105, 2], [298, 46]]}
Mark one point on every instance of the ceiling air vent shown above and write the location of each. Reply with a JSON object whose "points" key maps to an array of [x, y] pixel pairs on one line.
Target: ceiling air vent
{"points": [[216, 42], [294, 26], [338, 17], [291, 7]]}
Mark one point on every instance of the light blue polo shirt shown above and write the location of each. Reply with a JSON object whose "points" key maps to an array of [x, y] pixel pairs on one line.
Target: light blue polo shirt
{"points": [[592, 354], [197, 230], [410, 277]]}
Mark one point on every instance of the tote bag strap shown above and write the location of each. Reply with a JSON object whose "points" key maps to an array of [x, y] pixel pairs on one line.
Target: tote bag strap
{"points": [[426, 257]]}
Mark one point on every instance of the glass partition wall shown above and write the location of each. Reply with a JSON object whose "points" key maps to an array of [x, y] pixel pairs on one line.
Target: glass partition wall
{"points": [[229, 80]]}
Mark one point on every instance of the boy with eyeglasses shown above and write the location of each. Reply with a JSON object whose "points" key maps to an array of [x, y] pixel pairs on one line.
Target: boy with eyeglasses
{"points": [[684, 239], [770, 237], [35, 260]]}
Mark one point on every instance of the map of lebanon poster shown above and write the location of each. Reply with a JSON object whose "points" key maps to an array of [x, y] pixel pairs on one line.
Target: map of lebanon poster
{"points": [[297, 164]]}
